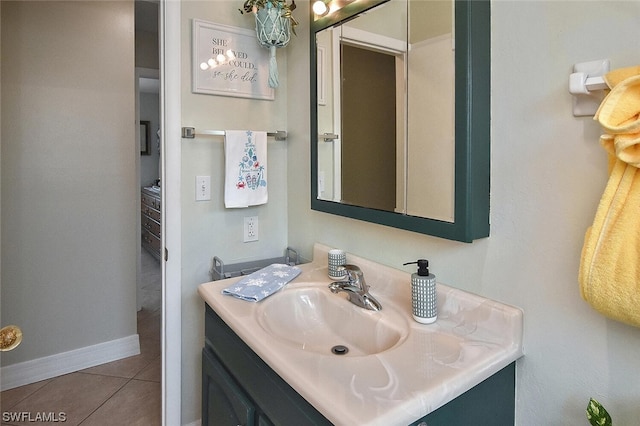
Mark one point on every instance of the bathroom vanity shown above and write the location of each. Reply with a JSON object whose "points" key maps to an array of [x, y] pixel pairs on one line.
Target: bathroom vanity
{"points": [[271, 362]]}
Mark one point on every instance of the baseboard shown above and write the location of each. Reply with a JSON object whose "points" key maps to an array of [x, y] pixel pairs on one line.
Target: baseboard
{"points": [[28, 372]]}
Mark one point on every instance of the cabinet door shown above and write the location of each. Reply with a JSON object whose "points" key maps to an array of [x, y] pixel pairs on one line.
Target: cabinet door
{"points": [[263, 421], [490, 403], [223, 402]]}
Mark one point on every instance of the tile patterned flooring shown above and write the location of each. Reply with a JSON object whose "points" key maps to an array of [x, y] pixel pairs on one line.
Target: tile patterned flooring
{"points": [[123, 392]]}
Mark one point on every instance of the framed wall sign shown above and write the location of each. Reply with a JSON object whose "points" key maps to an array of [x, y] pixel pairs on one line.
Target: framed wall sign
{"points": [[228, 61]]}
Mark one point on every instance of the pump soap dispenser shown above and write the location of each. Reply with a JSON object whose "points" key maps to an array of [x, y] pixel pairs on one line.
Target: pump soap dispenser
{"points": [[423, 293]]}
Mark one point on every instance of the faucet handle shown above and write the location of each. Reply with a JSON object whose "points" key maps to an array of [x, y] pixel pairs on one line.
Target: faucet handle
{"points": [[350, 270], [354, 273]]}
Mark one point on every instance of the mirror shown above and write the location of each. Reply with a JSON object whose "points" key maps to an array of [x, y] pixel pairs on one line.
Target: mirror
{"points": [[409, 170]]}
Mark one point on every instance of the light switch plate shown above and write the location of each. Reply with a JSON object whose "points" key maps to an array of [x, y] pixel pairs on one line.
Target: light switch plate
{"points": [[203, 188]]}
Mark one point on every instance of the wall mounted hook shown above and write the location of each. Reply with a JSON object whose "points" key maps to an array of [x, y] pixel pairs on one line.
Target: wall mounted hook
{"points": [[587, 86]]}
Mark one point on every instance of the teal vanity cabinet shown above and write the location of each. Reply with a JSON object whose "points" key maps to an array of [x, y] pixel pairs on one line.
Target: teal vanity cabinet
{"points": [[492, 402], [224, 401], [238, 388]]}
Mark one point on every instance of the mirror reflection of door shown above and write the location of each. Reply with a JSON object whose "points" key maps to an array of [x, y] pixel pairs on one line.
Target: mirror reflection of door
{"points": [[369, 114], [420, 36], [430, 113]]}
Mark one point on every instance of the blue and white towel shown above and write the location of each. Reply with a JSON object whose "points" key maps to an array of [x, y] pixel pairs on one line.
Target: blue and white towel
{"points": [[262, 283]]}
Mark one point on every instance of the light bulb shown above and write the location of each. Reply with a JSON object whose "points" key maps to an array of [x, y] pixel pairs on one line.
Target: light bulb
{"points": [[320, 8], [220, 58], [230, 55], [204, 66], [212, 62]]}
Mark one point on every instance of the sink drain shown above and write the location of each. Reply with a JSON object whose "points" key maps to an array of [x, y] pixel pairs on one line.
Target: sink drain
{"points": [[340, 350]]}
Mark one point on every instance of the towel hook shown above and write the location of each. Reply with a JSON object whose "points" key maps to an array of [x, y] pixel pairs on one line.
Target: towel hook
{"points": [[586, 84]]}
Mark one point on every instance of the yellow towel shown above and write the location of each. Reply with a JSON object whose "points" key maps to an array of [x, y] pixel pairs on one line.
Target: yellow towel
{"points": [[616, 76], [609, 273], [618, 116]]}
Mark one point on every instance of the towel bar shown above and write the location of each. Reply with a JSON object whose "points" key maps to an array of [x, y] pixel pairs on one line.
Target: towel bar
{"points": [[190, 133]]}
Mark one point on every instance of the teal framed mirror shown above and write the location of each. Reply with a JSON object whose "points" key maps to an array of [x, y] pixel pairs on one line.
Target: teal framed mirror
{"points": [[470, 121]]}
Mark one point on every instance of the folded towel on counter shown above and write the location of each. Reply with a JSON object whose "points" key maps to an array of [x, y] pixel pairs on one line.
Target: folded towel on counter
{"points": [[245, 168], [609, 272], [262, 283]]}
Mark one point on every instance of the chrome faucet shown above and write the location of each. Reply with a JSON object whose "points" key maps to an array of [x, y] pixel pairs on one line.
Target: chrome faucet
{"points": [[356, 288]]}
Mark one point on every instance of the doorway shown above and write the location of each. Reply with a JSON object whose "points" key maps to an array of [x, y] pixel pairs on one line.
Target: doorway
{"points": [[149, 279], [368, 119], [149, 300]]}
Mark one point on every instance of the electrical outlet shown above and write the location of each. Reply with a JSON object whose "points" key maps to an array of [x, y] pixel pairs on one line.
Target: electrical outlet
{"points": [[250, 229], [203, 188]]}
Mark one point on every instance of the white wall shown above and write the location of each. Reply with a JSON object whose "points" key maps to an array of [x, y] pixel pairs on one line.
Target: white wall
{"points": [[548, 173], [208, 228], [68, 175]]}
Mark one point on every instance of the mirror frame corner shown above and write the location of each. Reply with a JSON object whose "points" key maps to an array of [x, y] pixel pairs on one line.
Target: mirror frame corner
{"points": [[472, 128]]}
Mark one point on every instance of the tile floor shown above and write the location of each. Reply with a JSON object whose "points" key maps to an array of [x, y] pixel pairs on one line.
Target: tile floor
{"points": [[124, 392]]}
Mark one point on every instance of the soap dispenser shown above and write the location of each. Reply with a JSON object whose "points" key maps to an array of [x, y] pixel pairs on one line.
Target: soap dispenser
{"points": [[423, 293]]}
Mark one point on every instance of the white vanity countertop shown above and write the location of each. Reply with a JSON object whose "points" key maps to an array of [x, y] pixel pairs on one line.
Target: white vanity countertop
{"points": [[402, 384]]}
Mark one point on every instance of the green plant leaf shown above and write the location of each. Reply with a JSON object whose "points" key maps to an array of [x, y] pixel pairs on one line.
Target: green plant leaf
{"points": [[248, 5], [597, 415]]}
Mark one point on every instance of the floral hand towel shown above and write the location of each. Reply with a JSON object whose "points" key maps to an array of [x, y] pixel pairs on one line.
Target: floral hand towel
{"points": [[262, 283]]}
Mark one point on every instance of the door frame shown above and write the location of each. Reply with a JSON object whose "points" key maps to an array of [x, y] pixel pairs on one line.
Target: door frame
{"points": [[170, 113]]}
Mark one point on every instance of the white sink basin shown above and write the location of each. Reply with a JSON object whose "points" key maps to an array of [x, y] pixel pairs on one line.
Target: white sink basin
{"points": [[314, 319], [396, 370]]}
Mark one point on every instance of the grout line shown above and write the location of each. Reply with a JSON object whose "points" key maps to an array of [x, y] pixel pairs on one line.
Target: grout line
{"points": [[105, 401], [44, 384]]}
